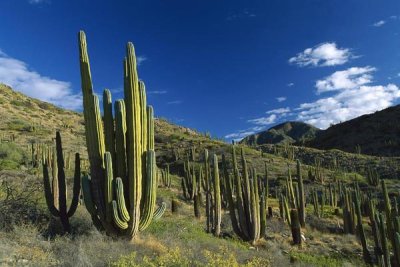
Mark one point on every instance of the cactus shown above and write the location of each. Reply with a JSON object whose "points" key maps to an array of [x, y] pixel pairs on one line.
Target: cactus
{"points": [[360, 228], [160, 211], [388, 210], [384, 243], [244, 211], [263, 192], [301, 206], [122, 198], [56, 194], [397, 247], [295, 226], [197, 196], [207, 189], [175, 205], [372, 177], [217, 199]]}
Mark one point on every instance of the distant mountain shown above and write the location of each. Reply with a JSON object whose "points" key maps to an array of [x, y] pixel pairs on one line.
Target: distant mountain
{"points": [[292, 132], [373, 134]]}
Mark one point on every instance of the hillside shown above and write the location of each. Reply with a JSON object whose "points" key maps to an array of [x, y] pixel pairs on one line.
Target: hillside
{"points": [[30, 236], [286, 133], [373, 134]]}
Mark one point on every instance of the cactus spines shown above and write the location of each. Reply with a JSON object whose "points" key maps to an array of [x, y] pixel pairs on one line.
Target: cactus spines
{"points": [[123, 205], [60, 187]]}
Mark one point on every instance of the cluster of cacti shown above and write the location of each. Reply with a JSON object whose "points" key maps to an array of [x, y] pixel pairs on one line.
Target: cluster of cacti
{"points": [[315, 201], [247, 217], [37, 151], [293, 198], [349, 212], [385, 225], [333, 199], [289, 151], [120, 192], [164, 177], [189, 180], [56, 188], [372, 176]]}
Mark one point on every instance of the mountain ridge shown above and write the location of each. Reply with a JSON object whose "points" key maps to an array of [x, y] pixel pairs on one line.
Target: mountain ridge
{"points": [[375, 134]]}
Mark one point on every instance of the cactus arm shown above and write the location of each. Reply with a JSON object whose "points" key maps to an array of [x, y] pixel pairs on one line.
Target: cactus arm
{"points": [[93, 127], [87, 195], [149, 198], [117, 220], [144, 122], [120, 140], [62, 197], [47, 191], [121, 199], [108, 185], [77, 186], [109, 133], [159, 211]]}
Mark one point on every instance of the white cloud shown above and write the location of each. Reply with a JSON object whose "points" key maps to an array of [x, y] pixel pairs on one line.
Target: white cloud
{"points": [[140, 60], [17, 74], [175, 102], [241, 15], [239, 135], [346, 79], [163, 92], [281, 98], [264, 120], [36, 2], [352, 98], [290, 84], [379, 23], [325, 54], [278, 111]]}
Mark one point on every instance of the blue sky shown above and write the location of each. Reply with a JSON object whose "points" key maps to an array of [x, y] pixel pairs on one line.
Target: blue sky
{"points": [[227, 67]]}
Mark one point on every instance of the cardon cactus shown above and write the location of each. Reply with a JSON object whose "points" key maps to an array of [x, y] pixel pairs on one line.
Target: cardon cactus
{"points": [[56, 191], [301, 206], [245, 209], [121, 191], [217, 199]]}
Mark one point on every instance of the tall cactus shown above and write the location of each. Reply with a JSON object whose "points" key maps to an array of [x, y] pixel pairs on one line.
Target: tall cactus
{"points": [[58, 207], [301, 206], [245, 209], [217, 199], [121, 200]]}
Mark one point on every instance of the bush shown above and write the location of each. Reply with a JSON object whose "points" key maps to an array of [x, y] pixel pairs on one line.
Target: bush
{"points": [[11, 156]]}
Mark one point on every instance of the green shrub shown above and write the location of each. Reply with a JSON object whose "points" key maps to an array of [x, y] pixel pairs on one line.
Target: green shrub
{"points": [[11, 156]]}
